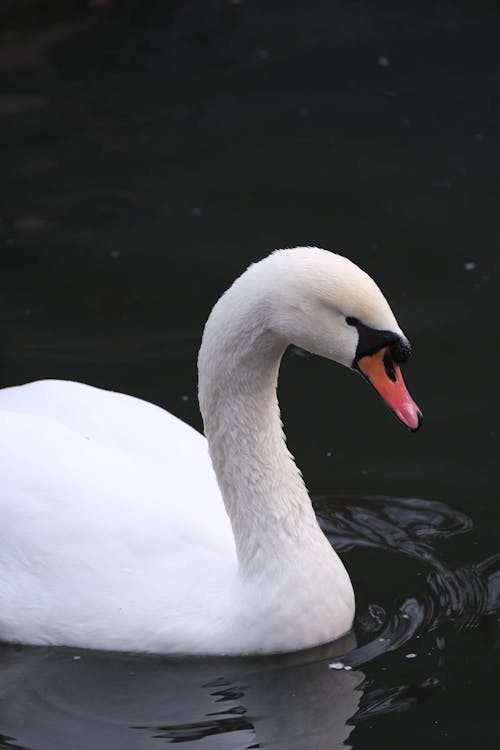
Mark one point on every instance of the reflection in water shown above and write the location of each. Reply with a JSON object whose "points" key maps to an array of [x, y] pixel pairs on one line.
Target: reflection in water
{"points": [[461, 596], [65, 698], [403, 525], [466, 594], [58, 698]]}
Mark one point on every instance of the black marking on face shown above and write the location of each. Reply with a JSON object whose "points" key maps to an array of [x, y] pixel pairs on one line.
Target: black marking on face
{"points": [[401, 350], [372, 340], [389, 367]]}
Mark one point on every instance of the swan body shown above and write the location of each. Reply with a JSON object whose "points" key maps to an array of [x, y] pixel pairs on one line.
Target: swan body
{"points": [[122, 528]]}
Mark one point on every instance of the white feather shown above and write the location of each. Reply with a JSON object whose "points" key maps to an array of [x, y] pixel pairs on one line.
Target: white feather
{"points": [[114, 533]]}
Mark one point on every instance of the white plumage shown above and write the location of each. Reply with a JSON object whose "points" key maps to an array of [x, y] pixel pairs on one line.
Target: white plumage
{"points": [[113, 530]]}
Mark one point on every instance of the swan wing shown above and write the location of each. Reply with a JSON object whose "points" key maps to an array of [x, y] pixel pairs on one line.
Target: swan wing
{"points": [[106, 501]]}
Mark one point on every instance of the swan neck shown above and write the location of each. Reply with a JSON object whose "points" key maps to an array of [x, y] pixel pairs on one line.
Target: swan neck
{"points": [[263, 491]]}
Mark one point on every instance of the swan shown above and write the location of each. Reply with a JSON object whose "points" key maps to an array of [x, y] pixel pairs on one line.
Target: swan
{"points": [[124, 529]]}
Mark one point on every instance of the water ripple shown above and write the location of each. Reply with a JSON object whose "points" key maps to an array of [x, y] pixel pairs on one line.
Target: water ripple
{"points": [[461, 596]]}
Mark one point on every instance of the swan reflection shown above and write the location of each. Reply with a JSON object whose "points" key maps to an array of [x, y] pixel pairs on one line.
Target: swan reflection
{"points": [[61, 698]]}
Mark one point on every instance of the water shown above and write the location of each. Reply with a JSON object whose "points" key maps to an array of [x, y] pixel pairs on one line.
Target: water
{"points": [[153, 151]]}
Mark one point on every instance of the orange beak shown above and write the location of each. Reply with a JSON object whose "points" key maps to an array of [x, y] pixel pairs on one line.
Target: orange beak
{"points": [[385, 376]]}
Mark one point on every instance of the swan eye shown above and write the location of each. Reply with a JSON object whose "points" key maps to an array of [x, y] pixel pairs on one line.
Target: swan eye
{"points": [[351, 321]]}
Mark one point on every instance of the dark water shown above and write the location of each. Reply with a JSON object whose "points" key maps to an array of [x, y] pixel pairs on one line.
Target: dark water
{"points": [[150, 151]]}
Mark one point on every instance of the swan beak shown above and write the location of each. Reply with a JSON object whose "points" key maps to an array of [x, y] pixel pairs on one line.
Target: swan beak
{"points": [[385, 376]]}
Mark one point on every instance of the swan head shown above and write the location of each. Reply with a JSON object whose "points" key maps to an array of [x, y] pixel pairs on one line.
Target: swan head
{"points": [[327, 305]]}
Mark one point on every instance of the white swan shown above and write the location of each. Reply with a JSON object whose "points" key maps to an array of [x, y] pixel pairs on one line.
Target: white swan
{"points": [[113, 532]]}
